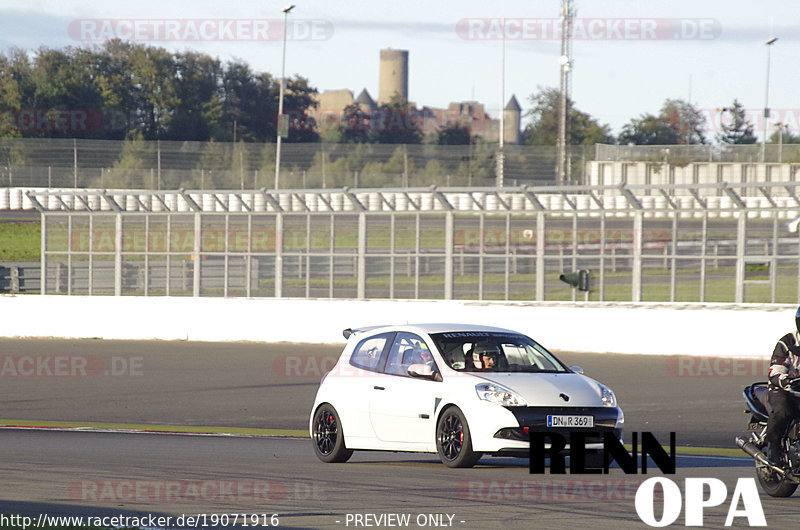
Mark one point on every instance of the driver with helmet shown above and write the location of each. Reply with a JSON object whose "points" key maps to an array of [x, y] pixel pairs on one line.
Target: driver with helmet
{"points": [[488, 355], [784, 366]]}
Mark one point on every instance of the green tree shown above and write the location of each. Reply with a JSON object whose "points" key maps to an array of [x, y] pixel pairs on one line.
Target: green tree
{"points": [[54, 81], [247, 105], [397, 123], [198, 92], [130, 169], [685, 119], [454, 134], [782, 134], [298, 98], [544, 116], [149, 92], [154, 76], [355, 125], [16, 79], [678, 122], [738, 130], [10, 98], [115, 80], [648, 130]]}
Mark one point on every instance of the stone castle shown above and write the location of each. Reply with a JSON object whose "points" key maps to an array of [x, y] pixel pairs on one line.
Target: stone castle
{"points": [[393, 81]]}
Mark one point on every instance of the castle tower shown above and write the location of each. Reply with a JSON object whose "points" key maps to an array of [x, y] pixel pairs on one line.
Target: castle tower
{"points": [[393, 78], [512, 121], [366, 102]]}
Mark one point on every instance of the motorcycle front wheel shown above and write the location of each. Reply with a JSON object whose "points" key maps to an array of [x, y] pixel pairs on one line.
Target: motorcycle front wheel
{"points": [[774, 484]]}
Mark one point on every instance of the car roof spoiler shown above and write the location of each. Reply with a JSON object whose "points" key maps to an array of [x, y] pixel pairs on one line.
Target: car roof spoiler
{"points": [[350, 331]]}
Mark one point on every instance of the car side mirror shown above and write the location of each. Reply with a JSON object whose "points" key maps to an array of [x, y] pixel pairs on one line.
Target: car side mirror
{"points": [[576, 369], [422, 371]]}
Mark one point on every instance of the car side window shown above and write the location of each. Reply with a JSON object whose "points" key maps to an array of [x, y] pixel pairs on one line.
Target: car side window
{"points": [[408, 349], [367, 354]]}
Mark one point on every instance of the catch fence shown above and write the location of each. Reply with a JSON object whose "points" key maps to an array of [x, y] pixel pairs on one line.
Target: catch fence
{"points": [[158, 165], [638, 243]]}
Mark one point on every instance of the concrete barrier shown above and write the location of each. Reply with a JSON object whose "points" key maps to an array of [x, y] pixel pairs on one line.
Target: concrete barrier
{"points": [[658, 329]]}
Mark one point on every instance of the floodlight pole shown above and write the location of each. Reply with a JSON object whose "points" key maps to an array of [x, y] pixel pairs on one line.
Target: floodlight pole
{"points": [[769, 44], [286, 11], [501, 156]]}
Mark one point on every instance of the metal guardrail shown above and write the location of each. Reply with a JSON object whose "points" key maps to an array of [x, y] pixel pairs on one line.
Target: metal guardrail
{"points": [[20, 277], [760, 197]]}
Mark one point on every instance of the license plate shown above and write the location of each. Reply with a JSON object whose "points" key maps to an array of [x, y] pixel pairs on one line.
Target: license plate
{"points": [[570, 421]]}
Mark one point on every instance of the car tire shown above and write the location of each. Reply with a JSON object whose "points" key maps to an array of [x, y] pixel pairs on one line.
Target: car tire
{"points": [[453, 440], [327, 436]]}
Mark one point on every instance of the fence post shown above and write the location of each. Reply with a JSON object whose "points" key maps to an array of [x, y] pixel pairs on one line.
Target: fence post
{"points": [[158, 161], [741, 242], [448, 255], [60, 281], [198, 235], [91, 254], [636, 283], [361, 262], [540, 247], [118, 255], [75, 161], [322, 149], [15, 278], [703, 252], [279, 255], [248, 265], [43, 257]]}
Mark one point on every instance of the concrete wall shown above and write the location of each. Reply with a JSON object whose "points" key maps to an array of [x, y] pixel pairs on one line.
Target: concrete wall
{"points": [[667, 329], [599, 173]]}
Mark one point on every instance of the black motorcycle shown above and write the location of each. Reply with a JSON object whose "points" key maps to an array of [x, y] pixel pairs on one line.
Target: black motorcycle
{"points": [[776, 481]]}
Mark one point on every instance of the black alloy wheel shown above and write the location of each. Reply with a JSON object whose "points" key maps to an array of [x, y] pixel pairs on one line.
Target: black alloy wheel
{"points": [[327, 436]]}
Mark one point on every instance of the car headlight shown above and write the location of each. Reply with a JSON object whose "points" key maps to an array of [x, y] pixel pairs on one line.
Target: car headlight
{"points": [[500, 395], [607, 397]]}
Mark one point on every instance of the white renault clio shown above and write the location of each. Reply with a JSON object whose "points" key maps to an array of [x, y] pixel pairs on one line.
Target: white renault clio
{"points": [[456, 390]]}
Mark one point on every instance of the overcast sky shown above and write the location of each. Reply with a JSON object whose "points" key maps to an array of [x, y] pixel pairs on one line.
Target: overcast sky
{"points": [[708, 51]]}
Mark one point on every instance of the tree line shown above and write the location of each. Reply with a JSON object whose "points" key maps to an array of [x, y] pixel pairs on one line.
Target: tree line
{"points": [[130, 91], [122, 90]]}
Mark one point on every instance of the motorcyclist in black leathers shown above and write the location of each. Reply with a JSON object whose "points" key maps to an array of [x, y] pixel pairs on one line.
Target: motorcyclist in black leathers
{"points": [[783, 366]]}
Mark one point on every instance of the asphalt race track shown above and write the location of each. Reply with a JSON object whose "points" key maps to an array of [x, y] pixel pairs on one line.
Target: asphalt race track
{"points": [[257, 386]]}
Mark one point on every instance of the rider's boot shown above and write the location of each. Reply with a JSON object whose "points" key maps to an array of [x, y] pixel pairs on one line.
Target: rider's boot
{"points": [[774, 455]]}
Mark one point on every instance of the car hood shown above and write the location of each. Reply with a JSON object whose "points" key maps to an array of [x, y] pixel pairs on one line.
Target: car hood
{"points": [[547, 389]]}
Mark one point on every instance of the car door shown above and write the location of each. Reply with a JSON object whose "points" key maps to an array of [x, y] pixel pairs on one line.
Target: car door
{"points": [[401, 407], [355, 382]]}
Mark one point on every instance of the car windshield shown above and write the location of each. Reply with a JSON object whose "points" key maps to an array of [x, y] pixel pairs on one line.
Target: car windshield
{"points": [[487, 351]]}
